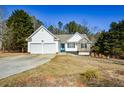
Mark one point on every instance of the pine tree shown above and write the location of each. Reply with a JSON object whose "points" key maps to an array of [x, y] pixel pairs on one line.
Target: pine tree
{"points": [[36, 23], [73, 27], [20, 27], [111, 42], [60, 24]]}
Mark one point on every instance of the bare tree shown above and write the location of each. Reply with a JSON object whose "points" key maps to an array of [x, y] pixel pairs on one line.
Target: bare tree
{"points": [[84, 22], [2, 24]]}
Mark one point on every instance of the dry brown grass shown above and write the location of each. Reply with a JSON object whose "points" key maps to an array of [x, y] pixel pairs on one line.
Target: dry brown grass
{"points": [[7, 54], [66, 70]]}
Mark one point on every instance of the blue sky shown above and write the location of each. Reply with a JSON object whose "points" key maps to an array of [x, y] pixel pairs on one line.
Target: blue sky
{"points": [[100, 16]]}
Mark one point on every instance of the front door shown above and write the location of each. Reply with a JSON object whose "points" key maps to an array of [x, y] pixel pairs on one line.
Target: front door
{"points": [[62, 47]]}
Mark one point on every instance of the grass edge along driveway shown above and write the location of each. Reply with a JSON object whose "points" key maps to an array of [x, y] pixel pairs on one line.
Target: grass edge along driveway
{"points": [[67, 70], [17, 64]]}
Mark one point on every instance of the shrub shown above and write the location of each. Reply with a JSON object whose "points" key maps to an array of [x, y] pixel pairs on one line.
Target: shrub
{"points": [[90, 76], [95, 79]]}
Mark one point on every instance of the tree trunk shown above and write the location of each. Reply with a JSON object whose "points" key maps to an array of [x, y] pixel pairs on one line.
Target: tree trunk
{"points": [[3, 49], [108, 57], [22, 50]]}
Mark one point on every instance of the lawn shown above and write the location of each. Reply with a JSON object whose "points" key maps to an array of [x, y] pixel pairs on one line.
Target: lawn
{"points": [[69, 70], [7, 54]]}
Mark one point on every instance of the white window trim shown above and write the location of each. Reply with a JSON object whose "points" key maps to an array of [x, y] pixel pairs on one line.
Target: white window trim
{"points": [[71, 45], [84, 45]]}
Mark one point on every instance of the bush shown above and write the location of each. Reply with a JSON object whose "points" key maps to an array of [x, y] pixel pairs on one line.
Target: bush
{"points": [[95, 79], [122, 56], [90, 76]]}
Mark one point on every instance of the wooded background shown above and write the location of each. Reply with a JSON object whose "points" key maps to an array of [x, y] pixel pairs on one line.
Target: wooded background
{"points": [[20, 25]]}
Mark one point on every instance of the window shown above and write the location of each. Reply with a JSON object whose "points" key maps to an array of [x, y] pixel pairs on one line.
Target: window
{"points": [[83, 45], [71, 45]]}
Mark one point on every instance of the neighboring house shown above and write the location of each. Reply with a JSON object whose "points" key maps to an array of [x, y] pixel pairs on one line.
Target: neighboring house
{"points": [[43, 41]]}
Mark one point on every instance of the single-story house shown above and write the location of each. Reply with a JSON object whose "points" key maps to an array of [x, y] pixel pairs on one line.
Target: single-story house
{"points": [[43, 41]]}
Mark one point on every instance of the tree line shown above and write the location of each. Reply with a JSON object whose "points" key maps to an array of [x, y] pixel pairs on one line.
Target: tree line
{"points": [[111, 43], [69, 28], [20, 25]]}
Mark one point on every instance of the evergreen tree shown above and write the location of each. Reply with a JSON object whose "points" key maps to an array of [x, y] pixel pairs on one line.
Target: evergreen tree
{"points": [[60, 24], [19, 26], [51, 28], [111, 42], [36, 23], [73, 27]]}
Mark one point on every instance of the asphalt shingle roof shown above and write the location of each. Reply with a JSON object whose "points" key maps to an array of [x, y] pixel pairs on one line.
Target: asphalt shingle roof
{"points": [[63, 38]]}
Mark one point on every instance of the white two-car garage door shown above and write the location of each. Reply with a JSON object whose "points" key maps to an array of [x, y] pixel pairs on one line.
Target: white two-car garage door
{"points": [[46, 48]]}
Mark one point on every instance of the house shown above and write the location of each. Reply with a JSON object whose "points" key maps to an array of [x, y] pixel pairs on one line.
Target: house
{"points": [[43, 41]]}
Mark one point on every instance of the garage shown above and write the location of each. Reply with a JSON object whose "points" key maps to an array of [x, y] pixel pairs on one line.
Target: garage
{"points": [[49, 48], [46, 48], [43, 41], [36, 48]]}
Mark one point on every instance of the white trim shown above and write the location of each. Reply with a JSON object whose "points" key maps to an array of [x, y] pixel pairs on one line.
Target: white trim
{"points": [[84, 53], [39, 30], [70, 45], [73, 36]]}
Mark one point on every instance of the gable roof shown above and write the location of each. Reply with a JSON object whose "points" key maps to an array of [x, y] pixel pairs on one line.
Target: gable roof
{"points": [[56, 38], [86, 39], [85, 36], [63, 38], [75, 35]]}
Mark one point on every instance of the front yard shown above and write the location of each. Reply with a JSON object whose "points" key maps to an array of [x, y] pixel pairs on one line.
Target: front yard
{"points": [[7, 54], [68, 70]]}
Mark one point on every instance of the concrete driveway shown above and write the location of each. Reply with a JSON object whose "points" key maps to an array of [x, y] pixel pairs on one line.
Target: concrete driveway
{"points": [[16, 64]]}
